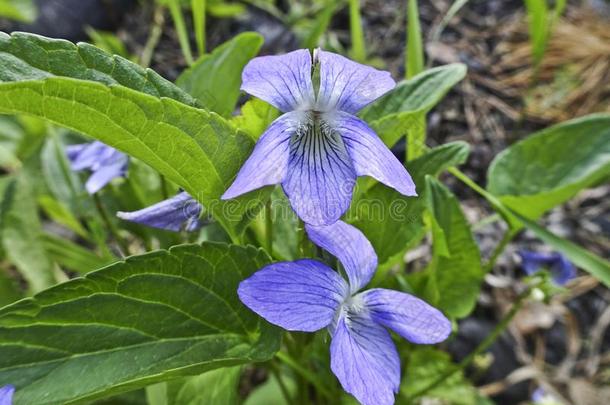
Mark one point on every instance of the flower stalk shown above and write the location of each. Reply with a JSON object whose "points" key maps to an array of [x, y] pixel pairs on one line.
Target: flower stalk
{"points": [[483, 346]]}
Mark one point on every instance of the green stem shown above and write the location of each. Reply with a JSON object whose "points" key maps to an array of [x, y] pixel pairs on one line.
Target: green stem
{"points": [[268, 228], [153, 38], [414, 63], [163, 184], [495, 217], [304, 246], [508, 236], [110, 225], [416, 138], [303, 372], [183, 37], [199, 7], [484, 345], [355, 27], [496, 204]]}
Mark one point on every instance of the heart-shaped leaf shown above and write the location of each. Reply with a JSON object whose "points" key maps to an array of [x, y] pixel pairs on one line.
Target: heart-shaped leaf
{"points": [[549, 167], [147, 319]]}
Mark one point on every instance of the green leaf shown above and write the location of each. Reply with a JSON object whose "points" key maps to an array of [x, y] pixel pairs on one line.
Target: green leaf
{"points": [[551, 166], [588, 261], [71, 256], [540, 24], [11, 135], [108, 41], [311, 38], [26, 56], [424, 366], [256, 116], [151, 318], [455, 273], [393, 222], [145, 185], [285, 225], [198, 10], [9, 291], [213, 387], [19, 137], [197, 150], [396, 112], [215, 78], [226, 10], [21, 232], [270, 392], [218, 386], [19, 10], [61, 180], [59, 213]]}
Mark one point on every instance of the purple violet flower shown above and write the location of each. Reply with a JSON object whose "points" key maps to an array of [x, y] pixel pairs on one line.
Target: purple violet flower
{"points": [[561, 269], [178, 213], [105, 163], [307, 295], [318, 148], [6, 395], [541, 397]]}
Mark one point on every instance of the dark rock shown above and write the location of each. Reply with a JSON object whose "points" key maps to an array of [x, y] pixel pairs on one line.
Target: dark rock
{"points": [[473, 331], [68, 18]]}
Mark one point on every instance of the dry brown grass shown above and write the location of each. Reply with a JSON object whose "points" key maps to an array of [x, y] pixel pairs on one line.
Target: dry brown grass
{"points": [[573, 78]]}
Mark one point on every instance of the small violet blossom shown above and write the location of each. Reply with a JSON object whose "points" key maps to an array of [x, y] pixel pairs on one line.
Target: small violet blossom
{"points": [[105, 163], [561, 269], [178, 213], [307, 295], [318, 147], [6, 395], [541, 397]]}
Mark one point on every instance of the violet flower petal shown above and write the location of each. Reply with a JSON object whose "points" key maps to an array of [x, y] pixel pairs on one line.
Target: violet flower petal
{"points": [[104, 175], [365, 360], [409, 316], [180, 212], [370, 156], [351, 247], [268, 162], [348, 86], [561, 269], [320, 177], [72, 151], [88, 156], [6, 395], [539, 395], [298, 296], [282, 80]]}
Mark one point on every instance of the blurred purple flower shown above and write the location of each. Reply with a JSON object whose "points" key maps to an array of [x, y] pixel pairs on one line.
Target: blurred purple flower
{"points": [[318, 148], [105, 163], [178, 213], [561, 269], [540, 396], [6, 395], [307, 295]]}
